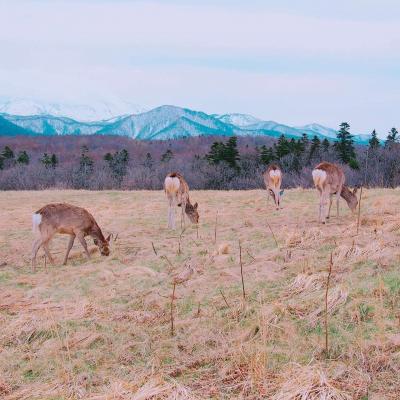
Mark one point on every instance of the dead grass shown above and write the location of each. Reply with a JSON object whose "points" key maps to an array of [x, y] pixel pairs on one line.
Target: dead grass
{"points": [[100, 329]]}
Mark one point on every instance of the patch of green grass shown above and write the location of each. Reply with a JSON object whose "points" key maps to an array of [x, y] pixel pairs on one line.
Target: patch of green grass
{"points": [[30, 375], [5, 276], [392, 281], [366, 312]]}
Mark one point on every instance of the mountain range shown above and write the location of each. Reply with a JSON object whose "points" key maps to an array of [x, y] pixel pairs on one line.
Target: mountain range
{"points": [[161, 123]]}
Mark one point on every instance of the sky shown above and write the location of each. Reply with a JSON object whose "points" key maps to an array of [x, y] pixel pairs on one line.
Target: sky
{"points": [[294, 62]]}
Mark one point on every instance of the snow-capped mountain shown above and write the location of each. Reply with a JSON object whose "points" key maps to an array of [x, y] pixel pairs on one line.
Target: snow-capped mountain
{"points": [[241, 120], [161, 123], [97, 111], [323, 130]]}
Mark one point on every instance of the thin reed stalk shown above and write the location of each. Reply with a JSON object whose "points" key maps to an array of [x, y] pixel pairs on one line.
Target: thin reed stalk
{"points": [[241, 270], [326, 307]]}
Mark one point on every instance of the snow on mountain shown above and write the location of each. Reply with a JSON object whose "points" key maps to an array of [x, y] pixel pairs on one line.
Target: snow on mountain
{"points": [[242, 120], [168, 122], [161, 123], [97, 111], [311, 129], [51, 125]]}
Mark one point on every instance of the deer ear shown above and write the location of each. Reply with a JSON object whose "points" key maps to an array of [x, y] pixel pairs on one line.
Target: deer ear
{"points": [[195, 206], [108, 238]]}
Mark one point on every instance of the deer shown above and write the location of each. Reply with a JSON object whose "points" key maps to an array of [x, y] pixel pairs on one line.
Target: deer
{"points": [[177, 191], [329, 179], [273, 180], [70, 220]]}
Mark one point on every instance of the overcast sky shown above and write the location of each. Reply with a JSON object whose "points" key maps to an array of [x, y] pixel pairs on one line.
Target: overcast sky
{"points": [[290, 61]]}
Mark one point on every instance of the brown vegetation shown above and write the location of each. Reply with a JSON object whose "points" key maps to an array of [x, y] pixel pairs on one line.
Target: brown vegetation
{"points": [[100, 329]]}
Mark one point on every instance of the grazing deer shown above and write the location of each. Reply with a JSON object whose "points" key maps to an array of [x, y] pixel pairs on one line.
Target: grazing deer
{"points": [[177, 191], [329, 180], [273, 181], [66, 219]]}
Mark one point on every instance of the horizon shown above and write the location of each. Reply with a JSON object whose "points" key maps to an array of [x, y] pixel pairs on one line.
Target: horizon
{"points": [[292, 63]]}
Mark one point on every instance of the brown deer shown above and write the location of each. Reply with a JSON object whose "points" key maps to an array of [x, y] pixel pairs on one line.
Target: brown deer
{"points": [[329, 180], [70, 220], [177, 191], [273, 180]]}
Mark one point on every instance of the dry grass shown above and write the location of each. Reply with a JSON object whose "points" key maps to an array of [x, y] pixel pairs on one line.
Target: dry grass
{"points": [[100, 329]]}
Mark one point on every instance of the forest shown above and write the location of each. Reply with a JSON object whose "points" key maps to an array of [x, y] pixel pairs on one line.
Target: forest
{"points": [[113, 162]]}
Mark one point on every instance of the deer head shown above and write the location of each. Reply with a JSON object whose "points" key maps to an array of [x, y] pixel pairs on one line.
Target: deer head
{"points": [[191, 212], [103, 245], [350, 197]]}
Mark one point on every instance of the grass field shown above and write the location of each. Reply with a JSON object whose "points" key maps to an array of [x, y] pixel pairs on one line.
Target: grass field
{"points": [[101, 329]]}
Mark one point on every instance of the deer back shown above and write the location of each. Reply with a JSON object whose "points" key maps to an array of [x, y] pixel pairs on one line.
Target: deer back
{"points": [[66, 218], [329, 174]]}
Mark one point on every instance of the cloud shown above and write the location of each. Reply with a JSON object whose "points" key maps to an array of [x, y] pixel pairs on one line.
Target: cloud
{"points": [[294, 62], [193, 29]]}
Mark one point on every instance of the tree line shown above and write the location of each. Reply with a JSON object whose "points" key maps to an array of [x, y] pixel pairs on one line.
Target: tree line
{"points": [[232, 163]]}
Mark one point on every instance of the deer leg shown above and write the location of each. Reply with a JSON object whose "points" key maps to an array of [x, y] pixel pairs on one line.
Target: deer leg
{"points": [[82, 240], [169, 216], [173, 211], [337, 202], [184, 217], [47, 251], [70, 244], [320, 206], [276, 199], [35, 248], [330, 205], [325, 195]]}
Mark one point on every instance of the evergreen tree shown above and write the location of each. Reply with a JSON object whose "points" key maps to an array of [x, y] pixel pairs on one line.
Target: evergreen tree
{"points": [[266, 155], [167, 156], [231, 155], [148, 162], [118, 163], [282, 148], [53, 161], [374, 141], [224, 152], [7, 153], [314, 148], [85, 162], [344, 145], [295, 146], [216, 153], [325, 145], [6, 158], [23, 158], [49, 161], [108, 157], [392, 137], [304, 142]]}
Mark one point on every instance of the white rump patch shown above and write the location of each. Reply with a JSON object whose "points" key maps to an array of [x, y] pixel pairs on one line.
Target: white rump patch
{"points": [[36, 221], [319, 176], [171, 184], [275, 173]]}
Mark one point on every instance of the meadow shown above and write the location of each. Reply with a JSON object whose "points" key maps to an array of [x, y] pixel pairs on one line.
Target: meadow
{"points": [[101, 329]]}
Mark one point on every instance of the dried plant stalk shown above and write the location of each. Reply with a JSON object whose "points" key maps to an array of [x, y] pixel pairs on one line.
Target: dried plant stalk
{"points": [[326, 307], [241, 270]]}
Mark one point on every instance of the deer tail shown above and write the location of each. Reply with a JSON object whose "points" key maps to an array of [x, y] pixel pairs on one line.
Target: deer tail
{"points": [[36, 220], [319, 177]]}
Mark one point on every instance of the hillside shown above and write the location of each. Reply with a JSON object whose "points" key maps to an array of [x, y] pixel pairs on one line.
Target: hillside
{"points": [[101, 329], [167, 122]]}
